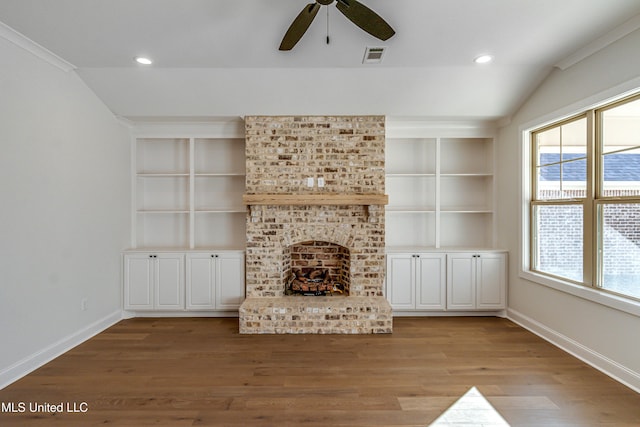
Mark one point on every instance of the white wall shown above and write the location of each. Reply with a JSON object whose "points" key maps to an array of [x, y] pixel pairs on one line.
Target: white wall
{"points": [[306, 91], [601, 335], [64, 168]]}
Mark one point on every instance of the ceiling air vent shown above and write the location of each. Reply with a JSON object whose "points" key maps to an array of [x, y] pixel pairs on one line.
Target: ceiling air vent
{"points": [[373, 55]]}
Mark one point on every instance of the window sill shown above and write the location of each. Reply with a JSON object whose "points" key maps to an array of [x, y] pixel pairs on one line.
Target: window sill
{"points": [[594, 295]]}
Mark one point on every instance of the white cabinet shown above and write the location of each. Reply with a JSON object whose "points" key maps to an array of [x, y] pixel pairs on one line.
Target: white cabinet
{"points": [[476, 281], [400, 284], [154, 281], [446, 281], [215, 281], [192, 281], [416, 281], [230, 283]]}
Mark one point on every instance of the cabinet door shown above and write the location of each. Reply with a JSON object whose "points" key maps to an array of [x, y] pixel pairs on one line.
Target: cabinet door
{"points": [[430, 281], [201, 273], [491, 281], [230, 281], [169, 282], [461, 281], [401, 281], [138, 282]]}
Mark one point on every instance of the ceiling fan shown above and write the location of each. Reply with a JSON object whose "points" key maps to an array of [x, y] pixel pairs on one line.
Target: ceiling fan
{"points": [[355, 11]]}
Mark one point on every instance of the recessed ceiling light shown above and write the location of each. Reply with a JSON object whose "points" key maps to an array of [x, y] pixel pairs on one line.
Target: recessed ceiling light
{"points": [[483, 59], [143, 60]]}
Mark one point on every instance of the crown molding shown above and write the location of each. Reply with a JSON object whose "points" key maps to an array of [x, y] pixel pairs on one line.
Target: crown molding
{"points": [[425, 127], [185, 126], [34, 48], [600, 43]]}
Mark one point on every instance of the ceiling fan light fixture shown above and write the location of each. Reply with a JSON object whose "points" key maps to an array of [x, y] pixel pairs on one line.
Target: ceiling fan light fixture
{"points": [[483, 59], [373, 55], [143, 60]]}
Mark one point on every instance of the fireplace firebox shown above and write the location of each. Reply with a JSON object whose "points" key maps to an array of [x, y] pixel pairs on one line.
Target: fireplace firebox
{"points": [[317, 268]]}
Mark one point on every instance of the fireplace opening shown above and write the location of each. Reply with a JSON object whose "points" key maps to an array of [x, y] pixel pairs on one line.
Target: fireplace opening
{"points": [[317, 268]]}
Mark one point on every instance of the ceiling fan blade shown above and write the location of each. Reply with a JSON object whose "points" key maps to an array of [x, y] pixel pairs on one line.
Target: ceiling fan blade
{"points": [[365, 18], [299, 26]]}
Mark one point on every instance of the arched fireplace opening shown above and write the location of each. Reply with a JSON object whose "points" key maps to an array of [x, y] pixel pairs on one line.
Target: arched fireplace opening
{"points": [[316, 268]]}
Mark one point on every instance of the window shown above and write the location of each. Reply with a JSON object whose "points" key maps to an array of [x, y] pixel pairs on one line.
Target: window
{"points": [[585, 199]]}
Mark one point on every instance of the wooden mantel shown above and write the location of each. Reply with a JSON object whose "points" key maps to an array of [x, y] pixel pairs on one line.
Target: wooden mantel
{"points": [[315, 199]]}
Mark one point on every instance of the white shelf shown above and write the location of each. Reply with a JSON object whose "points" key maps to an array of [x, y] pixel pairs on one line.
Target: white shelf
{"points": [[411, 192], [464, 230], [219, 156], [416, 229], [219, 175], [466, 210], [163, 230], [162, 156], [240, 209], [466, 156], [409, 156], [163, 211], [160, 175], [409, 175], [409, 209], [220, 229], [218, 192], [162, 193], [466, 175]]}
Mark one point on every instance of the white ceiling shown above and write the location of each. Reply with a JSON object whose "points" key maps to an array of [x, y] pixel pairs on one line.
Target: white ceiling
{"points": [[215, 57]]}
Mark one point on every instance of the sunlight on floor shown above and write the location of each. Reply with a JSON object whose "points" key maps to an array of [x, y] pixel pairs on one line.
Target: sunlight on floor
{"points": [[472, 409]]}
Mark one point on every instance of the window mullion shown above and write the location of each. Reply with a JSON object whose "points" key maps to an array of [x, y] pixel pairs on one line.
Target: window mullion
{"points": [[590, 236]]}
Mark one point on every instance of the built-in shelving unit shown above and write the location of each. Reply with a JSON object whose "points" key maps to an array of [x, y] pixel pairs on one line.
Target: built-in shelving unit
{"points": [[187, 192], [188, 218], [441, 188]]}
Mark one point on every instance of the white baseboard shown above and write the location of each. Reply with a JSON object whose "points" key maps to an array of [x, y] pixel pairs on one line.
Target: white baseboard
{"points": [[47, 354], [127, 314], [602, 363], [440, 313]]}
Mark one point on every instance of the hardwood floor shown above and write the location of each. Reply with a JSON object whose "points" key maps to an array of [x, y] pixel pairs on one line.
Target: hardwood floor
{"points": [[191, 372]]}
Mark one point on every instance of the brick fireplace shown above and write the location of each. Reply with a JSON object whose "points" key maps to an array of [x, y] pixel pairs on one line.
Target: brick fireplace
{"points": [[295, 225]]}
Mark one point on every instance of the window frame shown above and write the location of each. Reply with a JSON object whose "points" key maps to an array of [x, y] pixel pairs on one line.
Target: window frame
{"points": [[591, 286], [585, 202]]}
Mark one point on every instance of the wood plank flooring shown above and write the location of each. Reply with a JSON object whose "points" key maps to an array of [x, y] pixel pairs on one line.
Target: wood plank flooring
{"points": [[200, 371]]}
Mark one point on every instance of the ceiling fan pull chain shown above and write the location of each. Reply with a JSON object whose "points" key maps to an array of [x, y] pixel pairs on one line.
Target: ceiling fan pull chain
{"points": [[327, 25]]}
